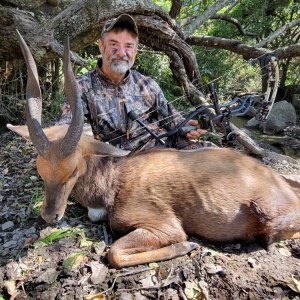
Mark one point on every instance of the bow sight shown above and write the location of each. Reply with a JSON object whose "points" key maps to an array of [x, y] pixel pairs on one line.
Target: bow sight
{"points": [[218, 115]]}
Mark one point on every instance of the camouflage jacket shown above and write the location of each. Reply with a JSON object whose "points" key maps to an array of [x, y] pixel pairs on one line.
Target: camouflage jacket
{"points": [[106, 106]]}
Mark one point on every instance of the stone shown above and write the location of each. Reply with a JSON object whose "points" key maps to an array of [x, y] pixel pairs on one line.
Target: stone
{"points": [[7, 225], [99, 272], [10, 244], [282, 115]]}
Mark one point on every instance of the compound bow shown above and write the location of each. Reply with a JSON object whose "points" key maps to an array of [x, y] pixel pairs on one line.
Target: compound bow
{"points": [[218, 115]]}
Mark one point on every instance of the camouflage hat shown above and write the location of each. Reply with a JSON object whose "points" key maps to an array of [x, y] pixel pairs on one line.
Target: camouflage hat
{"points": [[122, 19]]}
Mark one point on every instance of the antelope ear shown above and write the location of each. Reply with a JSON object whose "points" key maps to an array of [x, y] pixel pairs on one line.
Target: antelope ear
{"points": [[53, 133], [21, 130], [90, 146]]}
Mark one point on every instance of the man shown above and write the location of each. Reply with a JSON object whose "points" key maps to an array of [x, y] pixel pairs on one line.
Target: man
{"points": [[112, 93]]}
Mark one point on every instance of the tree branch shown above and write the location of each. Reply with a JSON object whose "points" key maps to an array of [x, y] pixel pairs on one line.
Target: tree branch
{"points": [[278, 32], [175, 8], [235, 22], [238, 47], [229, 8], [254, 148], [193, 93], [201, 19], [160, 36], [288, 51]]}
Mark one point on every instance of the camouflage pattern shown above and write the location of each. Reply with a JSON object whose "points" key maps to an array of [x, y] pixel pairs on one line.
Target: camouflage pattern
{"points": [[106, 106]]}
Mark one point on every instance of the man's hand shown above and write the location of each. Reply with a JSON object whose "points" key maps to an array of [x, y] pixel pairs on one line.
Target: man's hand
{"points": [[194, 134]]}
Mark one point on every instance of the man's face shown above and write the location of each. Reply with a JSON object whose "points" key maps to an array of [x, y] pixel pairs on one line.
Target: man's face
{"points": [[118, 51]]}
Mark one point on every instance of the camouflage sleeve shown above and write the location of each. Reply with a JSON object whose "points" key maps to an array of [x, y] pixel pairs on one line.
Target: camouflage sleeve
{"points": [[65, 116], [167, 114]]}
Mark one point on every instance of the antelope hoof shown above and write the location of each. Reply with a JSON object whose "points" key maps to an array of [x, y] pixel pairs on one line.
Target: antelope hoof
{"points": [[184, 248]]}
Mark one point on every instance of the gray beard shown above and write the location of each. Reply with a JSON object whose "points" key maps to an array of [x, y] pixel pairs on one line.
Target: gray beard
{"points": [[120, 67]]}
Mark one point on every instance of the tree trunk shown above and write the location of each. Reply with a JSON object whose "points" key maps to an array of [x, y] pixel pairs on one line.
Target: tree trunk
{"points": [[45, 24], [82, 21]]}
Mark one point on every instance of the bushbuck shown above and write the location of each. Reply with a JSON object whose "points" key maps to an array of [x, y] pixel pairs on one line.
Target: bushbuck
{"points": [[155, 198]]}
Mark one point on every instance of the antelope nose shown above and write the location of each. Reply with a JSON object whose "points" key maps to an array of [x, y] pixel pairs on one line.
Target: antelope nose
{"points": [[50, 219]]}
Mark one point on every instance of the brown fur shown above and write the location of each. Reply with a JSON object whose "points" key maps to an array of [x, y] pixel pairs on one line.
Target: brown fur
{"points": [[159, 197], [218, 194]]}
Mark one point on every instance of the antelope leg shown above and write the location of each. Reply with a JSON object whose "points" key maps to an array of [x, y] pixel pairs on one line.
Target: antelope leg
{"points": [[143, 246]]}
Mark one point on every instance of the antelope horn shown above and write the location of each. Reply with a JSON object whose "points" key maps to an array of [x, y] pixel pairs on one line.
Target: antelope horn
{"points": [[34, 101], [71, 139]]}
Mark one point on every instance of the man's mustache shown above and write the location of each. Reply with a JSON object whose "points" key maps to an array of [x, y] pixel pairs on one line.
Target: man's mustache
{"points": [[115, 58]]}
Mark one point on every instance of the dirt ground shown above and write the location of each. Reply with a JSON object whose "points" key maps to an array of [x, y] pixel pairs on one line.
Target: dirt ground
{"points": [[68, 260]]}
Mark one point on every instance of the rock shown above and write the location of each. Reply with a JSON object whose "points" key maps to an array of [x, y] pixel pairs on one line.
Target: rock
{"points": [[10, 244], [296, 101], [49, 276], [252, 123], [215, 269], [99, 272], [282, 114], [7, 225], [125, 296], [292, 131]]}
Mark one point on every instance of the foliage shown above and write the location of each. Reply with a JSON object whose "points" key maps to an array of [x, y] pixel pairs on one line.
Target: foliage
{"points": [[36, 199], [166, 5], [156, 66], [260, 18], [59, 233], [230, 72], [91, 62]]}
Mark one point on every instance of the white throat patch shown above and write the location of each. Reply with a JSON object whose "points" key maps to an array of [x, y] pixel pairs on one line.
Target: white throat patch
{"points": [[97, 214]]}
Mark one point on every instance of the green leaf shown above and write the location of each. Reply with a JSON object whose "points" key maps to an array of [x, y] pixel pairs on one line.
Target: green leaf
{"points": [[58, 234], [73, 261]]}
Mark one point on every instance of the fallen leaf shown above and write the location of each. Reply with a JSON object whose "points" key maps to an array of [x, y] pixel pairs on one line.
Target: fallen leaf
{"points": [[49, 276], [10, 286], [253, 263], [30, 240], [294, 284], [98, 296], [163, 273], [99, 272], [148, 281], [40, 259], [13, 270], [284, 251], [99, 247], [204, 288], [85, 243], [153, 266], [214, 269], [192, 290], [50, 235], [73, 261]]}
